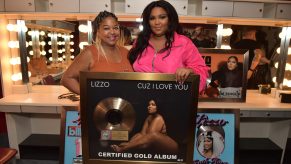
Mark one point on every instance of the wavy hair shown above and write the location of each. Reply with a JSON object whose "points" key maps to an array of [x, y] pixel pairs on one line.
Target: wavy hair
{"points": [[143, 38]]}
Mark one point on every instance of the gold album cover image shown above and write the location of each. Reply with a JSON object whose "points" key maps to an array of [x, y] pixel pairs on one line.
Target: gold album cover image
{"points": [[114, 120], [152, 136]]}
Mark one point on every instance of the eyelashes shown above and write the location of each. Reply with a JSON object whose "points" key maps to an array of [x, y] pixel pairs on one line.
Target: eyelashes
{"points": [[158, 17]]}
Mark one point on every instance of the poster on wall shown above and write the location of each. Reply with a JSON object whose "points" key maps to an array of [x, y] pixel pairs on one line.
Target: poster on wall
{"points": [[227, 79], [71, 148], [216, 136], [137, 118]]}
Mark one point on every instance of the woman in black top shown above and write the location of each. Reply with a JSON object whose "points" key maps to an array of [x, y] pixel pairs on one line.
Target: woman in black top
{"points": [[228, 75]]}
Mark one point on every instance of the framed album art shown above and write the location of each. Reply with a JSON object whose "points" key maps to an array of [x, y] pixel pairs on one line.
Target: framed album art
{"points": [[137, 118], [71, 144], [228, 75], [216, 136]]}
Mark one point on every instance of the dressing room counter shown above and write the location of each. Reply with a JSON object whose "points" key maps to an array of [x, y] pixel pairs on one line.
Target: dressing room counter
{"points": [[46, 97], [38, 111], [40, 99]]}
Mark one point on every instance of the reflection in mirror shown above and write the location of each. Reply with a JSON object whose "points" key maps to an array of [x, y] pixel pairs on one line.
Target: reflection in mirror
{"points": [[51, 46], [202, 35], [262, 43], [128, 33], [284, 79]]}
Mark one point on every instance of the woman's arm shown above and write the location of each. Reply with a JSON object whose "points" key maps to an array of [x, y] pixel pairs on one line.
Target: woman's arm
{"points": [[255, 62], [193, 60], [145, 126], [70, 79], [156, 125]]}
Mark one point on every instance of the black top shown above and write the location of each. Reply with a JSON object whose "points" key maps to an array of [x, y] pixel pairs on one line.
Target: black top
{"points": [[228, 78], [248, 44], [205, 43]]}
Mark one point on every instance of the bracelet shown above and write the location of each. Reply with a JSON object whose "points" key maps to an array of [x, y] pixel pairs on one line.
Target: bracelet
{"points": [[251, 70], [213, 84]]}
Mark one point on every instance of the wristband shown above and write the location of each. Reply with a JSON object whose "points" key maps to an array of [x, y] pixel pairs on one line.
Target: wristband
{"points": [[213, 84], [251, 70]]}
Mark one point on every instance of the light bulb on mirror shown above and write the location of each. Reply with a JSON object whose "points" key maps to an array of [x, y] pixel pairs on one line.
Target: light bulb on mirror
{"points": [[287, 82], [274, 79], [13, 44], [43, 53], [10, 27], [42, 33], [83, 28], [227, 32], [42, 43], [16, 77], [288, 67]]}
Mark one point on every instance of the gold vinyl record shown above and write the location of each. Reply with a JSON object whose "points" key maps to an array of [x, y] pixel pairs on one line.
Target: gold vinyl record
{"points": [[114, 113]]}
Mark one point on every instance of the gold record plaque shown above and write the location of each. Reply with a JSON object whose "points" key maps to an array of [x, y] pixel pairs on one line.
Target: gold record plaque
{"points": [[115, 118], [137, 118]]}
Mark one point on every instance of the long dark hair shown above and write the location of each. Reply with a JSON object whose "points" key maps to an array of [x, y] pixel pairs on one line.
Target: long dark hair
{"points": [[210, 137], [143, 38], [223, 67]]}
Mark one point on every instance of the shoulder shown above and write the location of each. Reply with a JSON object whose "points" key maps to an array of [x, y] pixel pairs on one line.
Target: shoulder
{"points": [[89, 50], [123, 49], [87, 53], [158, 118], [181, 39]]}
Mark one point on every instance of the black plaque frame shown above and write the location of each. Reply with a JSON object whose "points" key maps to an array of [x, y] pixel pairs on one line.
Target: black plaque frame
{"points": [[179, 119]]}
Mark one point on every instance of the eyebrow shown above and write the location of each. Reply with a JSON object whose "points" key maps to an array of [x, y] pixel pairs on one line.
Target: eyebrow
{"points": [[109, 25], [159, 15]]}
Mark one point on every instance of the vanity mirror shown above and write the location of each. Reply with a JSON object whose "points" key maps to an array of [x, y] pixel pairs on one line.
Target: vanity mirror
{"points": [[50, 47]]}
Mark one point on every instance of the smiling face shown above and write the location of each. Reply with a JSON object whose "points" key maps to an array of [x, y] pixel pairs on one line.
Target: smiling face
{"points": [[109, 31], [231, 63], [208, 143], [159, 21], [152, 107]]}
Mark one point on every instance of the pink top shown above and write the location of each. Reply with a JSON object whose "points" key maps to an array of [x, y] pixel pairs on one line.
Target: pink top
{"points": [[183, 54]]}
